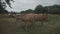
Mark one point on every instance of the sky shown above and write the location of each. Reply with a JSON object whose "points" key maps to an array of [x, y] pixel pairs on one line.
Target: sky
{"points": [[22, 5]]}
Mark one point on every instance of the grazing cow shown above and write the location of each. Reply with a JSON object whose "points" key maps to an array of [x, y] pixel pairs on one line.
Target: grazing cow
{"points": [[29, 18]]}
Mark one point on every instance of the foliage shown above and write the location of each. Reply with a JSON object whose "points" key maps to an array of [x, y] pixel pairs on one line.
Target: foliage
{"points": [[38, 9], [3, 6], [4, 12], [54, 9], [27, 11]]}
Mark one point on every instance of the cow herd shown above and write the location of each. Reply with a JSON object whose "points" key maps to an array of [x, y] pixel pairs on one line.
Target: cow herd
{"points": [[31, 18]]}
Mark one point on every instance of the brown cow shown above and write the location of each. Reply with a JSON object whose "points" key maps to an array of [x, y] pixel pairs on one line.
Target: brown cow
{"points": [[29, 18]]}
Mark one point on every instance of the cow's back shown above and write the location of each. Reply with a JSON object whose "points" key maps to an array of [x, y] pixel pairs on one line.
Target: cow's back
{"points": [[41, 17], [31, 17]]}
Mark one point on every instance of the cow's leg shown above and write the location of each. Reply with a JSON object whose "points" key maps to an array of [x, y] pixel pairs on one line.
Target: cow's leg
{"points": [[18, 22], [26, 26], [32, 22], [41, 23]]}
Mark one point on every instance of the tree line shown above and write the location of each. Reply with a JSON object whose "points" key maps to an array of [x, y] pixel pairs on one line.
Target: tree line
{"points": [[54, 9]]}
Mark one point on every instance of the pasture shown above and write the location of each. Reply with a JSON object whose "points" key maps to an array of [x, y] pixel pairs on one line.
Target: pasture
{"points": [[8, 26]]}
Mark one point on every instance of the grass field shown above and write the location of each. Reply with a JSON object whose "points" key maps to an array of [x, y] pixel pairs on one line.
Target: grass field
{"points": [[8, 26]]}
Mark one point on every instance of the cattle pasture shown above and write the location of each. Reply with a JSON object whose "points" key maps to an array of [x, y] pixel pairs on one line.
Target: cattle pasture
{"points": [[8, 26]]}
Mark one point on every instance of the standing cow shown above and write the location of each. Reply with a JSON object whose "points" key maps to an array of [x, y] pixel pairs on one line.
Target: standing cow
{"points": [[29, 18]]}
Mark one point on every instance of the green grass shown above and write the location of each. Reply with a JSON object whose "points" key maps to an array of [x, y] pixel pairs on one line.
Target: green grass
{"points": [[8, 26]]}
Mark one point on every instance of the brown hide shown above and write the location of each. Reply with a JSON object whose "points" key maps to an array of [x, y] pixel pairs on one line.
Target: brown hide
{"points": [[31, 17], [25, 17], [40, 17]]}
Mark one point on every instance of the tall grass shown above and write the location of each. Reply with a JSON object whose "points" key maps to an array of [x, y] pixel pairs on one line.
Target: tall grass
{"points": [[8, 26]]}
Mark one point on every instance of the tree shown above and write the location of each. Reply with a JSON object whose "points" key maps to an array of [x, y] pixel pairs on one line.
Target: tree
{"points": [[6, 12], [29, 11], [6, 2], [38, 9], [55, 9], [22, 12], [3, 5]]}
